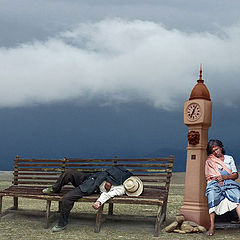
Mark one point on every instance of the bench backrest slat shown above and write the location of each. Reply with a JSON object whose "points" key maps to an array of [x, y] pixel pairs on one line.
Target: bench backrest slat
{"points": [[36, 173], [40, 165], [88, 165], [17, 159], [39, 178], [44, 169], [77, 160], [146, 159], [43, 183]]}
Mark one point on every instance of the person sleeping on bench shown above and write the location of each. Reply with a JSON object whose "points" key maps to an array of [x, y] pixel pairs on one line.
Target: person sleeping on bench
{"points": [[114, 181]]}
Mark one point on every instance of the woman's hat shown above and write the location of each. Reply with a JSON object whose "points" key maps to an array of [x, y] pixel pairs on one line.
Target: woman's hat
{"points": [[133, 186]]}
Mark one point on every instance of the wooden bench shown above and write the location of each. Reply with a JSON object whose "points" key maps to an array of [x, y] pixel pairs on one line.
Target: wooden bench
{"points": [[31, 176]]}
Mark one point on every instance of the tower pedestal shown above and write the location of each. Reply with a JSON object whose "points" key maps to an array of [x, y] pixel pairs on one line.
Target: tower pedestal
{"points": [[196, 212], [195, 207]]}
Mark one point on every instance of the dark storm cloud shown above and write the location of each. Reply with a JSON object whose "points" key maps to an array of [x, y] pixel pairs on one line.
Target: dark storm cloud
{"points": [[26, 20]]}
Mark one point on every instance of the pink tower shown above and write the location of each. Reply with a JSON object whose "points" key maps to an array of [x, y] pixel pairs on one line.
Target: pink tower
{"points": [[197, 116]]}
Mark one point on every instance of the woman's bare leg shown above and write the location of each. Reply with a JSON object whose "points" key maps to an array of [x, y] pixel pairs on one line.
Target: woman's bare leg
{"points": [[238, 211], [211, 231]]}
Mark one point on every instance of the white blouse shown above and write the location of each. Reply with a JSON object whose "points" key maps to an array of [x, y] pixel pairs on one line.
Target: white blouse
{"points": [[229, 161]]}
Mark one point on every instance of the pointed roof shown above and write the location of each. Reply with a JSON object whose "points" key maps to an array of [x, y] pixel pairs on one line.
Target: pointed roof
{"points": [[200, 90]]}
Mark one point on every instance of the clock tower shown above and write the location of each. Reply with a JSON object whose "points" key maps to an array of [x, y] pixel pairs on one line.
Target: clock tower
{"points": [[197, 116]]}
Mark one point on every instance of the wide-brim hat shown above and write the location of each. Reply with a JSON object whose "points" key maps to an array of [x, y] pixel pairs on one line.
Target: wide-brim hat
{"points": [[133, 186]]}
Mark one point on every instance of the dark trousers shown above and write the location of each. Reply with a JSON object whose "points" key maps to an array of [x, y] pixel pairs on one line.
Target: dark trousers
{"points": [[76, 178]]}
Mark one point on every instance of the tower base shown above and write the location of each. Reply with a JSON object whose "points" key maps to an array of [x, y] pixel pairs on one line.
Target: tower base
{"points": [[196, 212]]}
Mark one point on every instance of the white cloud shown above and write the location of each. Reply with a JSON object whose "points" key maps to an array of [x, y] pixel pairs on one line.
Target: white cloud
{"points": [[121, 61]]}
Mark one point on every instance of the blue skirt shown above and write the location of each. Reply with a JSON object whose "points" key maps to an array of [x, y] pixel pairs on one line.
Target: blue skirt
{"points": [[216, 193]]}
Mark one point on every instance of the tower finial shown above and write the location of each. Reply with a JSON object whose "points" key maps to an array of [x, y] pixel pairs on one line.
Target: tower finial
{"points": [[200, 75], [200, 80]]}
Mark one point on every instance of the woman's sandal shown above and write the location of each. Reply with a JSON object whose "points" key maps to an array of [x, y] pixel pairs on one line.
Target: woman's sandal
{"points": [[210, 233]]}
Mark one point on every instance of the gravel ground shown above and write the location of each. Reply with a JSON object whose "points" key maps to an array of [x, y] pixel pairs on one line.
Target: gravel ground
{"points": [[6, 175]]}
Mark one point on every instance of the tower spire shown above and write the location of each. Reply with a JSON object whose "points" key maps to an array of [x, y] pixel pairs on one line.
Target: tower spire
{"points": [[200, 80], [200, 75]]}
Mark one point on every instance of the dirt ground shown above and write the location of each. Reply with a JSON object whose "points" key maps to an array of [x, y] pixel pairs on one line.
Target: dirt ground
{"points": [[29, 225]]}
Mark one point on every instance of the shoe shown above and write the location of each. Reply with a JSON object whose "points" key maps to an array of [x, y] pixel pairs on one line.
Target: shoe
{"points": [[58, 228], [48, 190]]}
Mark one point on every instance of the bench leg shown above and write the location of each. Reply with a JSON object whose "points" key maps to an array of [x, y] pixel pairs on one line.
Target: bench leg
{"points": [[15, 203], [6, 211], [159, 220], [165, 211], [1, 198], [99, 219], [110, 209], [48, 206]]}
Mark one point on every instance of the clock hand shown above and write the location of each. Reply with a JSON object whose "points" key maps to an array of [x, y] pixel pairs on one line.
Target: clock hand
{"points": [[193, 111]]}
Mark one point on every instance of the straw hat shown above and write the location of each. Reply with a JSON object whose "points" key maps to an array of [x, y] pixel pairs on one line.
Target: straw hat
{"points": [[133, 186]]}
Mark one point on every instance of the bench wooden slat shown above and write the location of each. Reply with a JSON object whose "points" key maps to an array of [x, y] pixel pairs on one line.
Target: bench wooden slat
{"points": [[88, 165], [39, 165], [146, 165], [39, 178], [40, 169], [152, 171], [144, 160], [163, 175], [154, 180], [36, 182], [36, 173], [74, 160], [120, 160], [157, 175], [39, 160], [90, 170]]}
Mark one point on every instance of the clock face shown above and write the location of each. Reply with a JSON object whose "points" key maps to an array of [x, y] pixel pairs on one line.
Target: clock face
{"points": [[193, 112]]}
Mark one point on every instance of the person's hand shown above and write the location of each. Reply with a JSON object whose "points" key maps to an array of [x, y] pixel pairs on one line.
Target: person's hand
{"points": [[96, 205], [218, 178], [108, 186]]}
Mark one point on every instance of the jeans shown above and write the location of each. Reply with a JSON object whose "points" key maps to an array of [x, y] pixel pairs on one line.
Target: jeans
{"points": [[76, 178]]}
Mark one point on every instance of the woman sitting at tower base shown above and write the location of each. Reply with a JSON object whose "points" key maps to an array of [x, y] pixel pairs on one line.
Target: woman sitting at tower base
{"points": [[222, 191]]}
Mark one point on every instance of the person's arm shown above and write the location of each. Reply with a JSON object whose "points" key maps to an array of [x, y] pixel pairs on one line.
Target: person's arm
{"points": [[234, 174], [115, 191], [220, 178]]}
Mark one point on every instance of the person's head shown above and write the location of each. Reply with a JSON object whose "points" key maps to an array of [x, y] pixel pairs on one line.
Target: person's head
{"points": [[215, 147]]}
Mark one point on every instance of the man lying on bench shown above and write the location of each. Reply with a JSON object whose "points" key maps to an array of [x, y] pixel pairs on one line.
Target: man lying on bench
{"points": [[114, 181]]}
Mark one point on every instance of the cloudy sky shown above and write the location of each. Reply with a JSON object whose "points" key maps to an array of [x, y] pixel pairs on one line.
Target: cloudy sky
{"points": [[110, 77]]}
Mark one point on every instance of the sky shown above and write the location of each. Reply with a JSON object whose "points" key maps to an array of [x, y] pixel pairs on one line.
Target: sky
{"points": [[110, 77]]}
